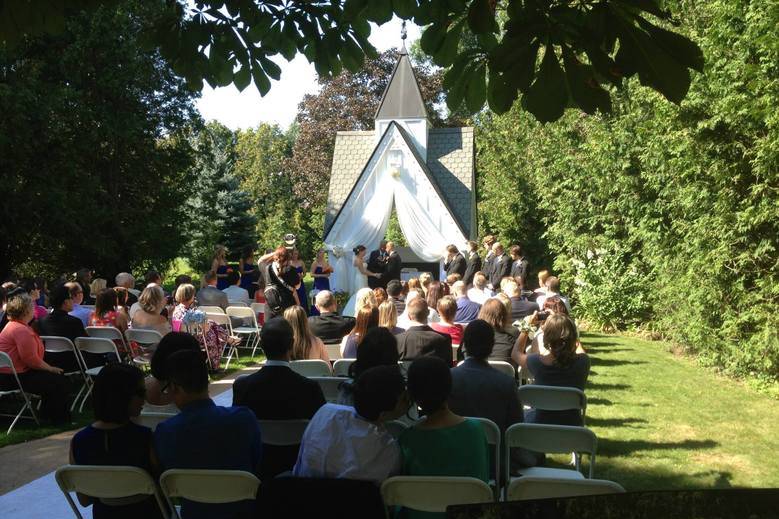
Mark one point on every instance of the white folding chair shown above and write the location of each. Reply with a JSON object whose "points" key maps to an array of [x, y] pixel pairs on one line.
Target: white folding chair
{"points": [[311, 368], [152, 420], [108, 332], [455, 348], [395, 427], [334, 351], [330, 387], [147, 340], [504, 367], [282, 432], [99, 346], [211, 309], [208, 486], [224, 320], [258, 308], [553, 398], [528, 487], [233, 302], [551, 439], [434, 493], [492, 431], [6, 362], [54, 344], [122, 485], [341, 367], [252, 330]]}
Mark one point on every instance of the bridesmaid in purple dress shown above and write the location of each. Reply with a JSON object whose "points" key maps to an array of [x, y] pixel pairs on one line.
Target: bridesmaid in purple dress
{"points": [[298, 264], [320, 270]]}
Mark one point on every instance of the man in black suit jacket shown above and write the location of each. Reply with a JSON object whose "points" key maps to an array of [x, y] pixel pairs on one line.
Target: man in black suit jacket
{"points": [[59, 324], [455, 262], [377, 262], [489, 259], [278, 393], [328, 325], [501, 266], [419, 339], [394, 264], [472, 263]]}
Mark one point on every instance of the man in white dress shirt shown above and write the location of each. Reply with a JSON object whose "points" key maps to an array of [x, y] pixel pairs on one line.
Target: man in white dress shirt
{"points": [[234, 291]]}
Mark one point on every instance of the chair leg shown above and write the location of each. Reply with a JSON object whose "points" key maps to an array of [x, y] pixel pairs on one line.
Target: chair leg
{"points": [[16, 419], [84, 400]]}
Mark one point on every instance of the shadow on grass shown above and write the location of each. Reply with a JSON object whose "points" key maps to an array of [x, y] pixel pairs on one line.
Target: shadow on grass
{"points": [[604, 351], [613, 422], [605, 387], [612, 447], [598, 361], [599, 401]]}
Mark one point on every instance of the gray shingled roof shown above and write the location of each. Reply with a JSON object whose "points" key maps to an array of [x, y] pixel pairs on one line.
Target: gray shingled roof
{"points": [[450, 161], [402, 98]]}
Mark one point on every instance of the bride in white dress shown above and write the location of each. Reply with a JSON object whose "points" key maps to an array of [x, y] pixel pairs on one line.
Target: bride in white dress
{"points": [[359, 278]]}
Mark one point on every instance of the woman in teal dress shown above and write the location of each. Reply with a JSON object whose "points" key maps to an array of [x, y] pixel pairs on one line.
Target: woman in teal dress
{"points": [[443, 443]]}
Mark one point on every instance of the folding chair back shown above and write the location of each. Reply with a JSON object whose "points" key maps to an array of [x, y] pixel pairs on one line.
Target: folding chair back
{"points": [[258, 308], [434, 494], [107, 332], [241, 311], [98, 345], [331, 387], [311, 368], [334, 351], [504, 367], [53, 344], [6, 362], [209, 486], [341, 367], [395, 427], [492, 431], [553, 439], [234, 303], [107, 483], [152, 420], [282, 432], [542, 488], [221, 319], [553, 398], [146, 338], [211, 309]]}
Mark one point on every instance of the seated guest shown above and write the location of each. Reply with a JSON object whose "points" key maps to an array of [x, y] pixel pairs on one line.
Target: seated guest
{"points": [[209, 295], [566, 365], [403, 319], [126, 280], [77, 295], [443, 443], [367, 318], [156, 382], [380, 294], [84, 280], [467, 310], [234, 291], [520, 306], [425, 278], [494, 312], [480, 390], [552, 305], [113, 439], [552, 289], [148, 316], [394, 295], [59, 324], [277, 393], [388, 317], [419, 339], [352, 442], [25, 348], [543, 275], [447, 309], [479, 292], [31, 287], [2, 306], [106, 311], [435, 291], [451, 279], [204, 435], [96, 286], [305, 345], [122, 302], [328, 325], [379, 348], [212, 337]]}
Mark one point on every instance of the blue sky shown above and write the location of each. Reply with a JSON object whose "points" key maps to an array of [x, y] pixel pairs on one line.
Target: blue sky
{"points": [[248, 109]]}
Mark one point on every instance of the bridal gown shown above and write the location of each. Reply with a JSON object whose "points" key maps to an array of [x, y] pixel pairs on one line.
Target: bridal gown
{"points": [[359, 280]]}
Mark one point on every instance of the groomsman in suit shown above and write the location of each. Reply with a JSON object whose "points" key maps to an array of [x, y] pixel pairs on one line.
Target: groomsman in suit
{"points": [[455, 263], [519, 263], [489, 259], [472, 263], [393, 265], [377, 262], [501, 266]]}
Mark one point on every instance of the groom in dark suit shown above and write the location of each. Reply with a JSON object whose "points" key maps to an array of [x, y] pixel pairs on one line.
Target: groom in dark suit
{"points": [[393, 265], [377, 262]]}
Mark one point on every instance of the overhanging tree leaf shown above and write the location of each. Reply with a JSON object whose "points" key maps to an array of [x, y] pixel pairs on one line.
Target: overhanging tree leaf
{"points": [[500, 94], [584, 89], [481, 17], [476, 88], [242, 78], [682, 49], [547, 97]]}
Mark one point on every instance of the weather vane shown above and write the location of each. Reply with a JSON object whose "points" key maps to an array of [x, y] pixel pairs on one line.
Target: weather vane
{"points": [[403, 33]]}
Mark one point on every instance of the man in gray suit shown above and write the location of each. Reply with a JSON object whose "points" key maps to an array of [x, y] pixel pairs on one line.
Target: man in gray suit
{"points": [[209, 295], [482, 391]]}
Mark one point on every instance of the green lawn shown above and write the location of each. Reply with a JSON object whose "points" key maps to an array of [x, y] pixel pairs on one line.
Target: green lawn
{"points": [[663, 422]]}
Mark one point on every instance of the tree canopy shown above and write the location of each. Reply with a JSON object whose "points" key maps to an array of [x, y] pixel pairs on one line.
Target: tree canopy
{"points": [[546, 54]]}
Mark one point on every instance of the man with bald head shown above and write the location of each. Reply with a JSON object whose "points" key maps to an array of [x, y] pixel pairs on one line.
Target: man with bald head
{"points": [[126, 280], [328, 325], [394, 264]]}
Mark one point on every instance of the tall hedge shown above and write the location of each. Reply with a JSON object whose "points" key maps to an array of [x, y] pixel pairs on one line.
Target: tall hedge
{"points": [[661, 215]]}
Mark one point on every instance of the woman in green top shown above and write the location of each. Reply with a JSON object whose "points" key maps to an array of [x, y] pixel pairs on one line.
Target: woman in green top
{"points": [[443, 443]]}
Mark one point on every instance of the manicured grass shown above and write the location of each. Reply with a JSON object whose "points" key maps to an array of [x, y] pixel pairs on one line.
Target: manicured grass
{"points": [[663, 422]]}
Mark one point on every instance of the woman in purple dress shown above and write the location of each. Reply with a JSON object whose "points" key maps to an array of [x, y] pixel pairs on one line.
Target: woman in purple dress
{"points": [[298, 265], [320, 270]]}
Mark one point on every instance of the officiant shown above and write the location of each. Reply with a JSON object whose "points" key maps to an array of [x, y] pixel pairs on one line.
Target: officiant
{"points": [[377, 263]]}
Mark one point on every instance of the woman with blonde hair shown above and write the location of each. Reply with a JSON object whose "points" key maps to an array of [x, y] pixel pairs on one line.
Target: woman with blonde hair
{"points": [[388, 317], [425, 278], [151, 302], [305, 345], [186, 318], [413, 285], [219, 265], [495, 314]]}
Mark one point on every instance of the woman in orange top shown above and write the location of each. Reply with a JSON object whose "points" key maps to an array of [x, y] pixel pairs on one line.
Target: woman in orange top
{"points": [[25, 349]]}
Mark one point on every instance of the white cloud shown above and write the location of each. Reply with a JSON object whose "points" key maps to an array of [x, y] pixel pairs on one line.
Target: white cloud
{"points": [[248, 109]]}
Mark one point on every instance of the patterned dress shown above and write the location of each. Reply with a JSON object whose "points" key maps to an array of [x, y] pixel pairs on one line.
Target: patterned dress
{"points": [[211, 336]]}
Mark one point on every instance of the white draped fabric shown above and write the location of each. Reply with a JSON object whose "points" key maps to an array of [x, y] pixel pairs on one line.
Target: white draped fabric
{"points": [[423, 216]]}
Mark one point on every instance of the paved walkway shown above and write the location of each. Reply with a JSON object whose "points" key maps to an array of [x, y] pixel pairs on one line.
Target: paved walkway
{"points": [[25, 462]]}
